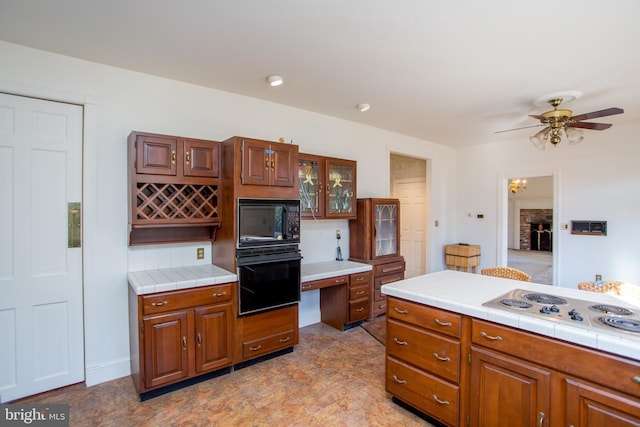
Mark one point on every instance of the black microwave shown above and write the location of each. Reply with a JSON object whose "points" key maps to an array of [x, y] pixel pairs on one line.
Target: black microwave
{"points": [[266, 222]]}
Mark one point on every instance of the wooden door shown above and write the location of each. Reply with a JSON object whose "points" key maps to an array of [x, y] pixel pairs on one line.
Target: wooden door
{"points": [[255, 162], [213, 337], [507, 392], [201, 158], [310, 173], [413, 223], [284, 165], [341, 186], [166, 341], [590, 406], [156, 154], [41, 307]]}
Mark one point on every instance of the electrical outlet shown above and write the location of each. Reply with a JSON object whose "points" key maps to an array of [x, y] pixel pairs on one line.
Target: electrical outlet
{"points": [[200, 253]]}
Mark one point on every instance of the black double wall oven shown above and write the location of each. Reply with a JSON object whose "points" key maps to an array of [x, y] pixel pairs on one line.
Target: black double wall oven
{"points": [[267, 254]]}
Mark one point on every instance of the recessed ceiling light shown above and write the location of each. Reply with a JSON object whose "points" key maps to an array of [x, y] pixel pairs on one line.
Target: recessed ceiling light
{"points": [[363, 106], [275, 80]]}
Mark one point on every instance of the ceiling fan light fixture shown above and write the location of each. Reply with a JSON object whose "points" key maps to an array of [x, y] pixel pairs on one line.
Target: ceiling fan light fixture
{"points": [[540, 138], [275, 80], [574, 136]]}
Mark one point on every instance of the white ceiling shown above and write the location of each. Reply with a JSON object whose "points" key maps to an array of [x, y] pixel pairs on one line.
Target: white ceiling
{"points": [[452, 72]]}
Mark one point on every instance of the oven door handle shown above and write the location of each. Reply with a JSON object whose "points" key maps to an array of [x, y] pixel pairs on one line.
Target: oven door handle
{"points": [[265, 259]]}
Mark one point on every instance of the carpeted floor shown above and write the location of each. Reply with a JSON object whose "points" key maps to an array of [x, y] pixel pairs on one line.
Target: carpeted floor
{"points": [[377, 328], [538, 264]]}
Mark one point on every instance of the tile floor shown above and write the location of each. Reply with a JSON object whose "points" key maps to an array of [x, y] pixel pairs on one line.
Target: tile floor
{"points": [[332, 378]]}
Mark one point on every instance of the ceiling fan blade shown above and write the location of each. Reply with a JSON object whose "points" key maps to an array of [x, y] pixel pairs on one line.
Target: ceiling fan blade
{"points": [[594, 114], [592, 126], [525, 127]]}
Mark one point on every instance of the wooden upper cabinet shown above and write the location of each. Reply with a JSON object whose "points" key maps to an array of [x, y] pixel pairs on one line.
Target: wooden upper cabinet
{"points": [[268, 163], [156, 154], [311, 179], [201, 158]]}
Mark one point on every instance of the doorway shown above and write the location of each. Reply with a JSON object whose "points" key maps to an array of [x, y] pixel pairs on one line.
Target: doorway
{"points": [[409, 185], [530, 227], [41, 310]]}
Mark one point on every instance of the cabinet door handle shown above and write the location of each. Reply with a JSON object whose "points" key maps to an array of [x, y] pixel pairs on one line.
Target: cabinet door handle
{"points": [[441, 323], [273, 165], [199, 339], [442, 359], [397, 341], [399, 381], [636, 379], [219, 294], [173, 156], [188, 157], [159, 303], [266, 163], [256, 348], [184, 343], [397, 310], [285, 339], [540, 419], [442, 402], [489, 337]]}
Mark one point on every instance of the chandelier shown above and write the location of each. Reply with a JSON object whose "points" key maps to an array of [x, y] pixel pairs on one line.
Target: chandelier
{"points": [[517, 184]]}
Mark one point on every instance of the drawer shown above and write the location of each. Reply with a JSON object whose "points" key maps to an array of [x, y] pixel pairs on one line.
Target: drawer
{"points": [[325, 283], [389, 268], [358, 292], [379, 281], [426, 350], [357, 279], [358, 310], [175, 300], [431, 395], [593, 365], [424, 316], [379, 307], [258, 347]]}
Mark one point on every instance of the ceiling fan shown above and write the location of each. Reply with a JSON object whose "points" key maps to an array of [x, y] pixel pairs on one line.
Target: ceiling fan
{"points": [[558, 120]]}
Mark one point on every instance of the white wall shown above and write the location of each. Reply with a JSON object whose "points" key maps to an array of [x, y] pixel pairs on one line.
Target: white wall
{"points": [[119, 101], [598, 179]]}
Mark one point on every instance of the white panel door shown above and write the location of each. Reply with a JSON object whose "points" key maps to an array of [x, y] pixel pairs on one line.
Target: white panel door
{"points": [[413, 222], [41, 313]]}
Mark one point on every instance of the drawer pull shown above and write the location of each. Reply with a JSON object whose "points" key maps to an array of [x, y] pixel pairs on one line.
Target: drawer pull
{"points": [[388, 269], [441, 323], [159, 303], [399, 381], [285, 339], [359, 309], [199, 339], [360, 279], [184, 343], [397, 310], [256, 348], [442, 359], [442, 402], [397, 341], [219, 294], [360, 293], [339, 281], [636, 379], [489, 337]]}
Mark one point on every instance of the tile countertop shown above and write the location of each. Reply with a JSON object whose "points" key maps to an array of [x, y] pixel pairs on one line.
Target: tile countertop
{"points": [[171, 279], [465, 293]]}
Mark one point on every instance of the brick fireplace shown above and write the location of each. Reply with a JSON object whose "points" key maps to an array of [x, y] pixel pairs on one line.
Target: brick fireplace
{"points": [[529, 217]]}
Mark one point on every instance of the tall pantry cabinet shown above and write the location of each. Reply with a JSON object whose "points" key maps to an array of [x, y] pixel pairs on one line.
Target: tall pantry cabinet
{"points": [[374, 238]]}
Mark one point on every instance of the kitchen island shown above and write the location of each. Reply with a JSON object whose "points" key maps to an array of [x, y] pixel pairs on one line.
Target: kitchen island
{"points": [[465, 363]]}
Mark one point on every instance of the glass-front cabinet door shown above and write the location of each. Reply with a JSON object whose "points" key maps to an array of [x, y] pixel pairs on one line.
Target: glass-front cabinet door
{"points": [[310, 170], [341, 188], [387, 228]]}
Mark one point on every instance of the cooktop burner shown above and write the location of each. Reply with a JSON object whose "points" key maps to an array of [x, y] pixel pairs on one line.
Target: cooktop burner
{"points": [[576, 312], [611, 309], [623, 323], [515, 303], [545, 299]]}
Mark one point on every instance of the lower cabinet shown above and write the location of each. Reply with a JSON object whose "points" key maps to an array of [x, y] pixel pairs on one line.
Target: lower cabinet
{"points": [[463, 371], [264, 333], [344, 300], [180, 334]]}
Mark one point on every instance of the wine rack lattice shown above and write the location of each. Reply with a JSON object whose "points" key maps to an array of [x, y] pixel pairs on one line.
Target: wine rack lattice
{"points": [[156, 201]]}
